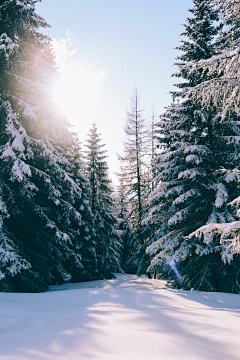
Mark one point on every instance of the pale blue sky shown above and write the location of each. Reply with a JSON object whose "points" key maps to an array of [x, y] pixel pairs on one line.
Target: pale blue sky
{"points": [[122, 43]]}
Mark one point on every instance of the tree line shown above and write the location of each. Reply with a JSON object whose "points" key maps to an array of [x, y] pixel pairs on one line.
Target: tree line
{"points": [[178, 195]]}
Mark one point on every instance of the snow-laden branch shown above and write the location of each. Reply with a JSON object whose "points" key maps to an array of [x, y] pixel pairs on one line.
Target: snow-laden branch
{"points": [[229, 237]]}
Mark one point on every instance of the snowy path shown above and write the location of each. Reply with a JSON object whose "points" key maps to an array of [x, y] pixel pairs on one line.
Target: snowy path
{"points": [[122, 319]]}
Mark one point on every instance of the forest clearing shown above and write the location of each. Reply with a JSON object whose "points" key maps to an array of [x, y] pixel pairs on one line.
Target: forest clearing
{"points": [[126, 318]]}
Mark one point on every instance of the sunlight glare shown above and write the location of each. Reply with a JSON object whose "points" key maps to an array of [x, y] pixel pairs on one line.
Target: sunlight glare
{"points": [[75, 90]]}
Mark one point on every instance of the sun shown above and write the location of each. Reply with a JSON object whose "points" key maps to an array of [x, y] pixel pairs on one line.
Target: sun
{"points": [[75, 92]]}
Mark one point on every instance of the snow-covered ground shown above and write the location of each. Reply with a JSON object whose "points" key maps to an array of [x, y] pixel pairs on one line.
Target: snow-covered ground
{"points": [[123, 319]]}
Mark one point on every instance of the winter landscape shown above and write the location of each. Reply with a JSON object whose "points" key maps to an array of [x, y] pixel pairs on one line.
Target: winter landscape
{"points": [[126, 318], [143, 264]]}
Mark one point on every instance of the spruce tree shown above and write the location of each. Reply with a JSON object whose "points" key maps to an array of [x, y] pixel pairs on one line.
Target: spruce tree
{"points": [[148, 228], [210, 255], [184, 133], [154, 147], [191, 190], [85, 243], [125, 227], [42, 229], [200, 30], [107, 237], [134, 173], [222, 86]]}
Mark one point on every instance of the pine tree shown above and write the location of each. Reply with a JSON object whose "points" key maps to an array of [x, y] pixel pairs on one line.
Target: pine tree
{"points": [[135, 171], [138, 256], [222, 86], [191, 190], [42, 223], [200, 30], [108, 241], [210, 255], [86, 248], [126, 231], [153, 138]]}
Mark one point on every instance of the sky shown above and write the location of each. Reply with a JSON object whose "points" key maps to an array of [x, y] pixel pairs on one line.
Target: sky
{"points": [[106, 48]]}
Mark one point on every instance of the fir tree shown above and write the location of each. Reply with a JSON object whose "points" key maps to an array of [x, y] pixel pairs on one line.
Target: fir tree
{"points": [[184, 133], [42, 223], [192, 190], [108, 241], [86, 248], [148, 228], [222, 86], [135, 171], [211, 261], [153, 138], [200, 30], [126, 231]]}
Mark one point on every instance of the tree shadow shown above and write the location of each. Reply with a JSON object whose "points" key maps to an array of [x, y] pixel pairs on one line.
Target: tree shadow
{"points": [[116, 322], [213, 300]]}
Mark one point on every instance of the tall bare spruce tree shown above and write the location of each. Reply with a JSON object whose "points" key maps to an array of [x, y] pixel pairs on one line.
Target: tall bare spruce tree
{"points": [[134, 170]]}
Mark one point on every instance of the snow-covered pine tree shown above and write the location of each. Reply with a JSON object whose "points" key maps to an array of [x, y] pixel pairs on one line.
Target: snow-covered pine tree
{"points": [[148, 228], [135, 173], [213, 261], [41, 220], [107, 236], [154, 147], [200, 29], [85, 243], [221, 88], [191, 190], [125, 227]]}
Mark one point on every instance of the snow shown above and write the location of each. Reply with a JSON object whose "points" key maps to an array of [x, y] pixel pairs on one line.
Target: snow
{"points": [[224, 228], [26, 7], [7, 46], [128, 318], [229, 241], [221, 196], [16, 171], [8, 152], [17, 143], [194, 159]]}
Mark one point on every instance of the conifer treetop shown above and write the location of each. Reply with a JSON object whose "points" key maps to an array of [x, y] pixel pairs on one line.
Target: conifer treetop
{"points": [[221, 86], [200, 31]]}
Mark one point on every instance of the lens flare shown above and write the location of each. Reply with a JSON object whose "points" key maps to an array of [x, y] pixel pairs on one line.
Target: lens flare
{"points": [[172, 265]]}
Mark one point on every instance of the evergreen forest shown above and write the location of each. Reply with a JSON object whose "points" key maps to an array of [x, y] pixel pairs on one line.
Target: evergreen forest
{"points": [[174, 213]]}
